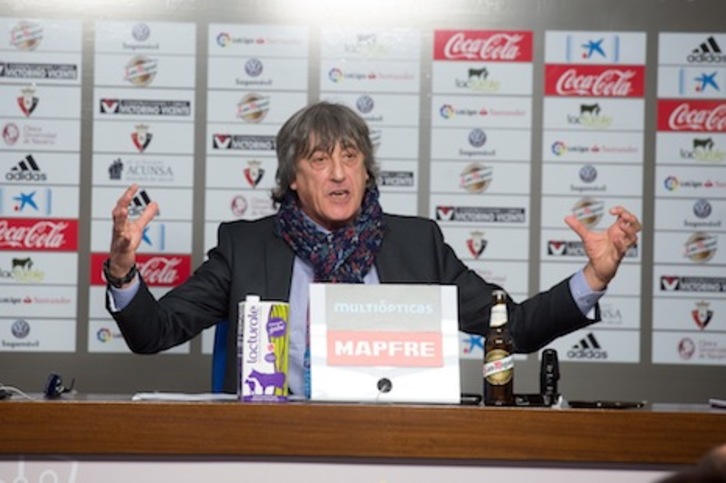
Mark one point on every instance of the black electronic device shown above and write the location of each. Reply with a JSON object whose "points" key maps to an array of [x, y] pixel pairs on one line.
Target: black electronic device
{"points": [[54, 387], [549, 374]]}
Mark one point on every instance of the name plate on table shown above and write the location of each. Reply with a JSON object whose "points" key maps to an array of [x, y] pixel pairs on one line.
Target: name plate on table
{"points": [[384, 343]]}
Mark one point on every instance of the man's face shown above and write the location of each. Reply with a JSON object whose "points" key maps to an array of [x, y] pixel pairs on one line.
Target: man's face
{"points": [[331, 186]]}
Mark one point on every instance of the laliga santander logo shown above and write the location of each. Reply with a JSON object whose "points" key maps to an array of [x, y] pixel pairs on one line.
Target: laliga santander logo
{"points": [[609, 82], [686, 118], [502, 46]]}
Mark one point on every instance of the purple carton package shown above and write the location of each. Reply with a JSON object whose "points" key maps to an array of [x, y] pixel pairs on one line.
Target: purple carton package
{"points": [[262, 350]]}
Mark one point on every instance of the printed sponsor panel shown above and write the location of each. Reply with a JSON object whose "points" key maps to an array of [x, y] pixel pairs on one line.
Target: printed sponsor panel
{"points": [[594, 80], [399, 203], [619, 312], [208, 340], [491, 211], [241, 140], [694, 315], [264, 40], [511, 275], [467, 111], [691, 82], [398, 176], [703, 49], [687, 115], [174, 204], [692, 149], [691, 214], [143, 169], [697, 248], [370, 76], [145, 37], [480, 178], [238, 204], [41, 135], [40, 35], [38, 301], [394, 142], [481, 144], [250, 107], [32, 201], [681, 181], [572, 47], [37, 334], [565, 245], [104, 336], [158, 236], [157, 269], [683, 281], [97, 295], [483, 45], [594, 114], [34, 101], [38, 268], [39, 168], [140, 137], [144, 70], [689, 349], [257, 73], [50, 68], [593, 212], [380, 109], [596, 179], [600, 146], [379, 44], [249, 172], [598, 346], [479, 243], [482, 78], [146, 105], [39, 234], [625, 284]]}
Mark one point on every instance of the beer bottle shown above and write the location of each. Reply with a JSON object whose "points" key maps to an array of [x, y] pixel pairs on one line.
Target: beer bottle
{"points": [[498, 355]]}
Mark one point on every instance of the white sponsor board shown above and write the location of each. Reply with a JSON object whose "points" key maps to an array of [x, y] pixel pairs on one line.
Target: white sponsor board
{"points": [[481, 144], [480, 111], [241, 140], [174, 204], [104, 336], [705, 315], [41, 135], [210, 236], [145, 37], [37, 335], [480, 178], [564, 245], [137, 137], [158, 237], [594, 114], [695, 248], [240, 204], [487, 211], [473, 243], [513, 276], [594, 47], [601, 146], [38, 301], [369, 76], [598, 346], [33, 101], [689, 348], [625, 283], [144, 70], [619, 312], [17, 167], [29, 201], [38, 268], [592, 179], [681, 181], [707, 82], [398, 176], [399, 203], [482, 78], [252, 107], [129, 103], [702, 48], [45, 68], [380, 109], [374, 43], [691, 214], [237, 40], [684, 281], [692, 149], [249, 172], [121, 170], [97, 301], [265, 73]]}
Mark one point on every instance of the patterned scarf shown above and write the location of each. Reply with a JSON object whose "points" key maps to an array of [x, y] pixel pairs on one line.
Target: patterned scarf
{"points": [[343, 255]]}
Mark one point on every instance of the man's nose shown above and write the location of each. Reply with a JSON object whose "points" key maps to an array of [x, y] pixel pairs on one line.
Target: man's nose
{"points": [[337, 168]]}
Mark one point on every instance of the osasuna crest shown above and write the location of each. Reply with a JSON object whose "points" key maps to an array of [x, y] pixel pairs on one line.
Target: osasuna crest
{"points": [[476, 244], [28, 102], [253, 173], [702, 315], [141, 137]]}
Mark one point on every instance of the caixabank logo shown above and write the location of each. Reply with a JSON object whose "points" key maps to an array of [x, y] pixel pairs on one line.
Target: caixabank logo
{"points": [[588, 348]]}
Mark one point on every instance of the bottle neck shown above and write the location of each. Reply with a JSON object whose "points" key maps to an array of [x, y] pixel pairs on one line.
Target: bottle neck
{"points": [[498, 317]]}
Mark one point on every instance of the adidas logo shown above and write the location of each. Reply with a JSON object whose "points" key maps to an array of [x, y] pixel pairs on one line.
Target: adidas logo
{"points": [[708, 52], [138, 203], [587, 348], [26, 170]]}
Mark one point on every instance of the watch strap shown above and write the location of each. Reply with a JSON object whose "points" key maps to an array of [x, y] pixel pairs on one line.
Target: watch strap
{"points": [[115, 281]]}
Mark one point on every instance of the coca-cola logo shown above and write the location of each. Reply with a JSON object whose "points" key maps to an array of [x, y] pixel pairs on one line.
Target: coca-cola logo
{"points": [[503, 46], [686, 118], [38, 235], [608, 83], [161, 270]]}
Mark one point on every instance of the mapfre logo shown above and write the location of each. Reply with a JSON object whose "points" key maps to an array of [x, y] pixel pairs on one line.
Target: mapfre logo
{"points": [[701, 116], [488, 45], [39, 234], [595, 81]]}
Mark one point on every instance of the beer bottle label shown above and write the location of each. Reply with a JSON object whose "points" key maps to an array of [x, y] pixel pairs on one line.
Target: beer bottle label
{"points": [[498, 316], [498, 367]]}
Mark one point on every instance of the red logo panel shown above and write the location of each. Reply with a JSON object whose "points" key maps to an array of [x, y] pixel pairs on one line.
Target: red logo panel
{"points": [[595, 80], [691, 115], [51, 234], [167, 270], [483, 45]]}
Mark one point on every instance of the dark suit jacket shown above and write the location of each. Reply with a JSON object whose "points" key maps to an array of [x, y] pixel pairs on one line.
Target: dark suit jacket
{"points": [[251, 259]]}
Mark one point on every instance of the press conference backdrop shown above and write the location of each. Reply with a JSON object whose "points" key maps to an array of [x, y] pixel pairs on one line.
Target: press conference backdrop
{"points": [[495, 118]]}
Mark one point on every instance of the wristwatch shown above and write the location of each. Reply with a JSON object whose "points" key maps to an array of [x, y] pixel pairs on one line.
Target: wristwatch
{"points": [[114, 281]]}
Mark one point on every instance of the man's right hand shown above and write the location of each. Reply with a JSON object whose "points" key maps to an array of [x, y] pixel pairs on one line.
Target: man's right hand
{"points": [[127, 233]]}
